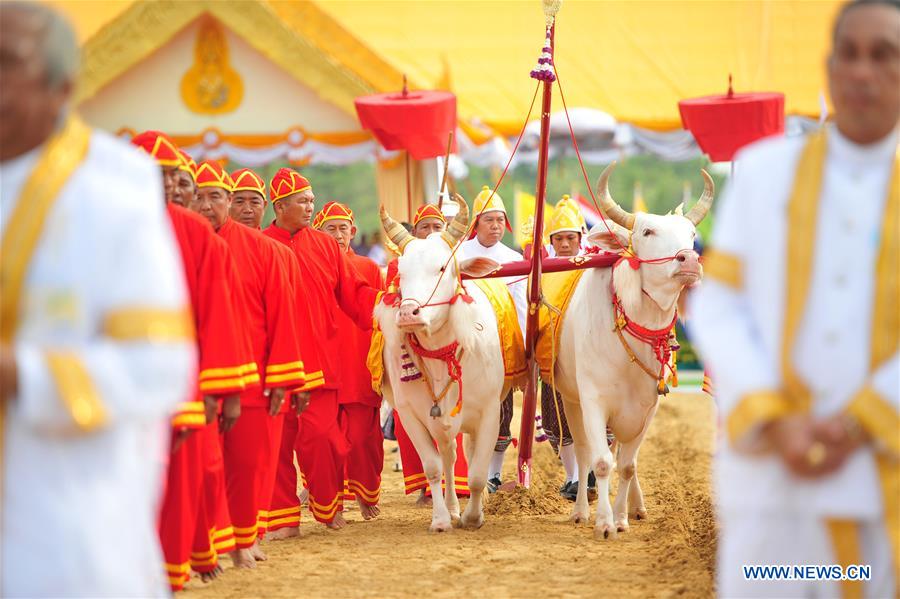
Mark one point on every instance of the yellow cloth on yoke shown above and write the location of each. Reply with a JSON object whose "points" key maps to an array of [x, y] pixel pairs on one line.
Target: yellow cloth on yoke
{"points": [[557, 288], [511, 341]]}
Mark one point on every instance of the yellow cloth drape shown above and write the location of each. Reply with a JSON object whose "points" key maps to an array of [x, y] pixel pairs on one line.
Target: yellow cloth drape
{"points": [[511, 342], [558, 288]]}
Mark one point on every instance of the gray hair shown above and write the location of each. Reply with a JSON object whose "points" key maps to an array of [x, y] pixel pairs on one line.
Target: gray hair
{"points": [[58, 44]]}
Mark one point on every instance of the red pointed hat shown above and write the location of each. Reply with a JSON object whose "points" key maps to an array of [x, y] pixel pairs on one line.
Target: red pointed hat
{"points": [[211, 174], [287, 182], [428, 211], [159, 146], [246, 180], [332, 211], [187, 163]]}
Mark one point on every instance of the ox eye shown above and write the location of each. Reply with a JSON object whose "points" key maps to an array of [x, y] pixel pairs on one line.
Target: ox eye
{"points": [[648, 232]]}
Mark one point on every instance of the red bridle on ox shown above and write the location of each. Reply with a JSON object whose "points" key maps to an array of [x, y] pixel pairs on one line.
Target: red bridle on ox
{"points": [[450, 354], [661, 341]]}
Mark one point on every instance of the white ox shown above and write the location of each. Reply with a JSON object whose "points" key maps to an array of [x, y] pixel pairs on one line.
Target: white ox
{"points": [[600, 384], [429, 280]]}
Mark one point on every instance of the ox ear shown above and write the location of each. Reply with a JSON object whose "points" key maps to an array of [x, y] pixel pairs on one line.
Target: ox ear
{"points": [[611, 239], [478, 266]]}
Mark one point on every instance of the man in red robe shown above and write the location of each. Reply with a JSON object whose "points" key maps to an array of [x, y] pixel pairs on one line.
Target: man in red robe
{"points": [[428, 220], [268, 316], [358, 405], [330, 282], [207, 267], [281, 517], [282, 512]]}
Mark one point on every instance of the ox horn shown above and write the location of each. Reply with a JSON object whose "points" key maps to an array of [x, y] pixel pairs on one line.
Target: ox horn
{"points": [[396, 232], [456, 230], [699, 210], [608, 205]]}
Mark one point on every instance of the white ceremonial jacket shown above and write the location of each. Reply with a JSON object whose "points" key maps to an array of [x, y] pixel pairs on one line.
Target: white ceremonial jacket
{"points": [[104, 349], [518, 287], [738, 318]]}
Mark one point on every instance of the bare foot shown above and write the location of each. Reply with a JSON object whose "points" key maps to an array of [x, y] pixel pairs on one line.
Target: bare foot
{"points": [[257, 552], [283, 533], [303, 495], [338, 522], [368, 511], [423, 500], [211, 575], [242, 558]]}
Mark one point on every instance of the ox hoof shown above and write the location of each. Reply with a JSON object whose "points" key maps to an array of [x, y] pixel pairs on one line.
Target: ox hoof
{"points": [[441, 527], [472, 523], [604, 532], [622, 526], [639, 515], [578, 518]]}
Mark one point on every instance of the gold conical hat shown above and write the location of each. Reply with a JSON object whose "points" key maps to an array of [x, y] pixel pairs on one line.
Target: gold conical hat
{"points": [[566, 217], [486, 202]]}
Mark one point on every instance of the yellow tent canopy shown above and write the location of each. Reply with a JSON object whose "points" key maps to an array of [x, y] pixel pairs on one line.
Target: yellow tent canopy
{"points": [[632, 59]]}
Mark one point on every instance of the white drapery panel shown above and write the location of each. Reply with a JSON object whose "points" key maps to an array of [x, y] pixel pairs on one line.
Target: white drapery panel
{"points": [[600, 140]]}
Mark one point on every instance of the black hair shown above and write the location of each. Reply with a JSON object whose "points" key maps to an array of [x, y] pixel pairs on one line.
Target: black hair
{"points": [[853, 4]]}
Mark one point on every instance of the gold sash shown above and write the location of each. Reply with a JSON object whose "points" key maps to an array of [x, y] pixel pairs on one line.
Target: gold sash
{"points": [[60, 158], [557, 288], [885, 334]]}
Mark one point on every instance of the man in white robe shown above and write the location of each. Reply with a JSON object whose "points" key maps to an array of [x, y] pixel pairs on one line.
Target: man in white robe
{"points": [[490, 222], [95, 335], [797, 320]]}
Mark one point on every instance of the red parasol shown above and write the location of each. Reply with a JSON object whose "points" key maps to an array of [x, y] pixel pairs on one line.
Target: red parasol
{"points": [[723, 124], [416, 121]]}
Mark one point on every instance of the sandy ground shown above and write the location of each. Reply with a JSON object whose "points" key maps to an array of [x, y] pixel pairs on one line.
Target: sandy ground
{"points": [[527, 547]]}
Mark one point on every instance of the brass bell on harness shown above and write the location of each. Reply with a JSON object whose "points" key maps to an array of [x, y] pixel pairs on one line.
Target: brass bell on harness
{"points": [[662, 388], [435, 411]]}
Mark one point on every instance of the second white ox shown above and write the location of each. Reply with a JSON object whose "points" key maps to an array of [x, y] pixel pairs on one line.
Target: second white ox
{"points": [[428, 312], [603, 383]]}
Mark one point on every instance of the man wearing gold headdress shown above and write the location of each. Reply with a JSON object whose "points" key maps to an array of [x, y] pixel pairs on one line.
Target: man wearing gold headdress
{"points": [[563, 238], [799, 320], [485, 240]]}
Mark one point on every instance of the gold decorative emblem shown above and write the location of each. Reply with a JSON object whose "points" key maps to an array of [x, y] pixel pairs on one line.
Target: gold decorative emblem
{"points": [[211, 85]]}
